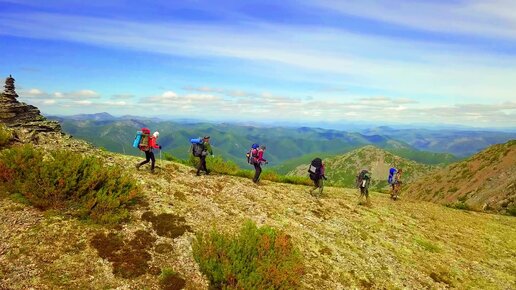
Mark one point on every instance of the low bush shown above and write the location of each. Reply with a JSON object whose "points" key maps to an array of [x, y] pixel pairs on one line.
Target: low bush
{"points": [[459, 205], [67, 181], [256, 258], [5, 136], [169, 157]]}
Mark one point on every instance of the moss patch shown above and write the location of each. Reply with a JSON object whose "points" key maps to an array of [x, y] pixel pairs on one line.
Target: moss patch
{"points": [[130, 258], [166, 224]]}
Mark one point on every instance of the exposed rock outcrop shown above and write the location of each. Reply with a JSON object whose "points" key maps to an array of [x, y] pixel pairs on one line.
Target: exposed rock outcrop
{"points": [[17, 115]]}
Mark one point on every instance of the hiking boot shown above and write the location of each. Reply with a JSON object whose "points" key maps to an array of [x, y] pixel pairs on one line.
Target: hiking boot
{"points": [[198, 173], [138, 166], [152, 171]]}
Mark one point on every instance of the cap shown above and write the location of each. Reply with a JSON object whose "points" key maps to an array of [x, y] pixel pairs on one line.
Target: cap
{"points": [[156, 134], [206, 137]]}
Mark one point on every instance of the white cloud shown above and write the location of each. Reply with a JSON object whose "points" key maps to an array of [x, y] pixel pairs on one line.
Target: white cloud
{"points": [[122, 96], [400, 66], [34, 93], [82, 94], [49, 102], [83, 103], [493, 18]]}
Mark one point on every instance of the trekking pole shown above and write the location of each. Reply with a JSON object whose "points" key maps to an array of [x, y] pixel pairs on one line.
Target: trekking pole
{"points": [[160, 161]]}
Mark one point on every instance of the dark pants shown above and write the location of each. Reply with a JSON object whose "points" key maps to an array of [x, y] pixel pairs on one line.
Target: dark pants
{"points": [[257, 172], [364, 191], [318, 184], [149, 155], [202, 165]]}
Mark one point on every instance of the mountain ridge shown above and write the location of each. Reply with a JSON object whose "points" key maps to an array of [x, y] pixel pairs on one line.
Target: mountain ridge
{"points": [[484, 181], [342, 170]]}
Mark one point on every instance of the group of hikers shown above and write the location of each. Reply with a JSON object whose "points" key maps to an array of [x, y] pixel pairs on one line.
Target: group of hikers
{"points": [[201, 148], [363, 180]]}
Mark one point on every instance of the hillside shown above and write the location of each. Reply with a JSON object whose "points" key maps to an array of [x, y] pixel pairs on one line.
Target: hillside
{"points": [[341, 170], [485, 181], [389, 245]]}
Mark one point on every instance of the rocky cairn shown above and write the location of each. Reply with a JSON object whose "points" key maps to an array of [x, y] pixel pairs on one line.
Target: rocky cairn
{"points": [[17, 115]]}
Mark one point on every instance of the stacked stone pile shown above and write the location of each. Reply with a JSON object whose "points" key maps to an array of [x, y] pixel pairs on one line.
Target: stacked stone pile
{"points": [[17, 115]]}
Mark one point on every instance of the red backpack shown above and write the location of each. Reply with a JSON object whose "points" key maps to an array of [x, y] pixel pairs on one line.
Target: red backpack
{"points": [[145, 140]]}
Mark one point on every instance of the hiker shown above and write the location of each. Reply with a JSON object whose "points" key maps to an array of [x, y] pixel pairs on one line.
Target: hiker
{"points": [[390, 179], [396, 184], [201, 148], [317, 174], [257, 160], [363, 181], [147, 144]]}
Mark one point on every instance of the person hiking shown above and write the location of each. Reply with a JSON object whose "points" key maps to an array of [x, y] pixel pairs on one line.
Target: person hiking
{"points": [[396, 184], [363, 181], [317, 175], [205, 149], [257, 160], [147, 147]]}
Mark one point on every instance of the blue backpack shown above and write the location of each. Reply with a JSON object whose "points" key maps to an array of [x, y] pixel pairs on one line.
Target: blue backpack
{"points": [[137, 139], [392, 172], [197, 147]]}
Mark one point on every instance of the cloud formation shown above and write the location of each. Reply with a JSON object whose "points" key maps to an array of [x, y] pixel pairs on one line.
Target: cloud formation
{"points": [[431, 61], [403, 67]]}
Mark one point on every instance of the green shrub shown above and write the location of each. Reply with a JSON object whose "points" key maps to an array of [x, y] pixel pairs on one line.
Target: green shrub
{"points": [[67, 181], [219, 165], [170, 157], [5, 136], [256, 258], [459, 205], [511, 210]]}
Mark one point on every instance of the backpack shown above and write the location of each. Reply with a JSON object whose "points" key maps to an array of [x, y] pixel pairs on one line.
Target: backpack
{"points": [[197, 147], [362, 176], [144, 143], [252, 154], [390, 179], [315, 168], [137, 139]]}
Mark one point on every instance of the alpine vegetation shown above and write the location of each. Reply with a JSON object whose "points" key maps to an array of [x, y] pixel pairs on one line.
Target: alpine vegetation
{"points": [[256, 258], [67, 182]]}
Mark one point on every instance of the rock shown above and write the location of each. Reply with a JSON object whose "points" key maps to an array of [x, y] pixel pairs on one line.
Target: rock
{"points": [[20, 115]]}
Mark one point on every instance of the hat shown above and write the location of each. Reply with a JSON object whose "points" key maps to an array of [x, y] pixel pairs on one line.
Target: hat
{"points": [[263, 147], [156, 134], [206, 137]]}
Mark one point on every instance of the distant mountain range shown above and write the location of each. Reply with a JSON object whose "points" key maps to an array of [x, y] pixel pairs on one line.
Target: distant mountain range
{"points": [[461, 143], [484, 181], [288, 147], [343, 169]]}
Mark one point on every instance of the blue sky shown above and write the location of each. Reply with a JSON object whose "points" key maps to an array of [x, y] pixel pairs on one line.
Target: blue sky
{"points": [[450, 62]]}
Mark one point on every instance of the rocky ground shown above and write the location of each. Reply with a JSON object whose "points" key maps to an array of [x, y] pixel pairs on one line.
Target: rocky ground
{"points": [[388, 245]]}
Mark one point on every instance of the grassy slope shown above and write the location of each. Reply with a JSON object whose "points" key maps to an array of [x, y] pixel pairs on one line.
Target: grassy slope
{"points": [[390, 245], [341, 170], [485, 180]]}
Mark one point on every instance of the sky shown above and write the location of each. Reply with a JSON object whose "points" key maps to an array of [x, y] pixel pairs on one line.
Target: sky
{"points": [[407, 62]]}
